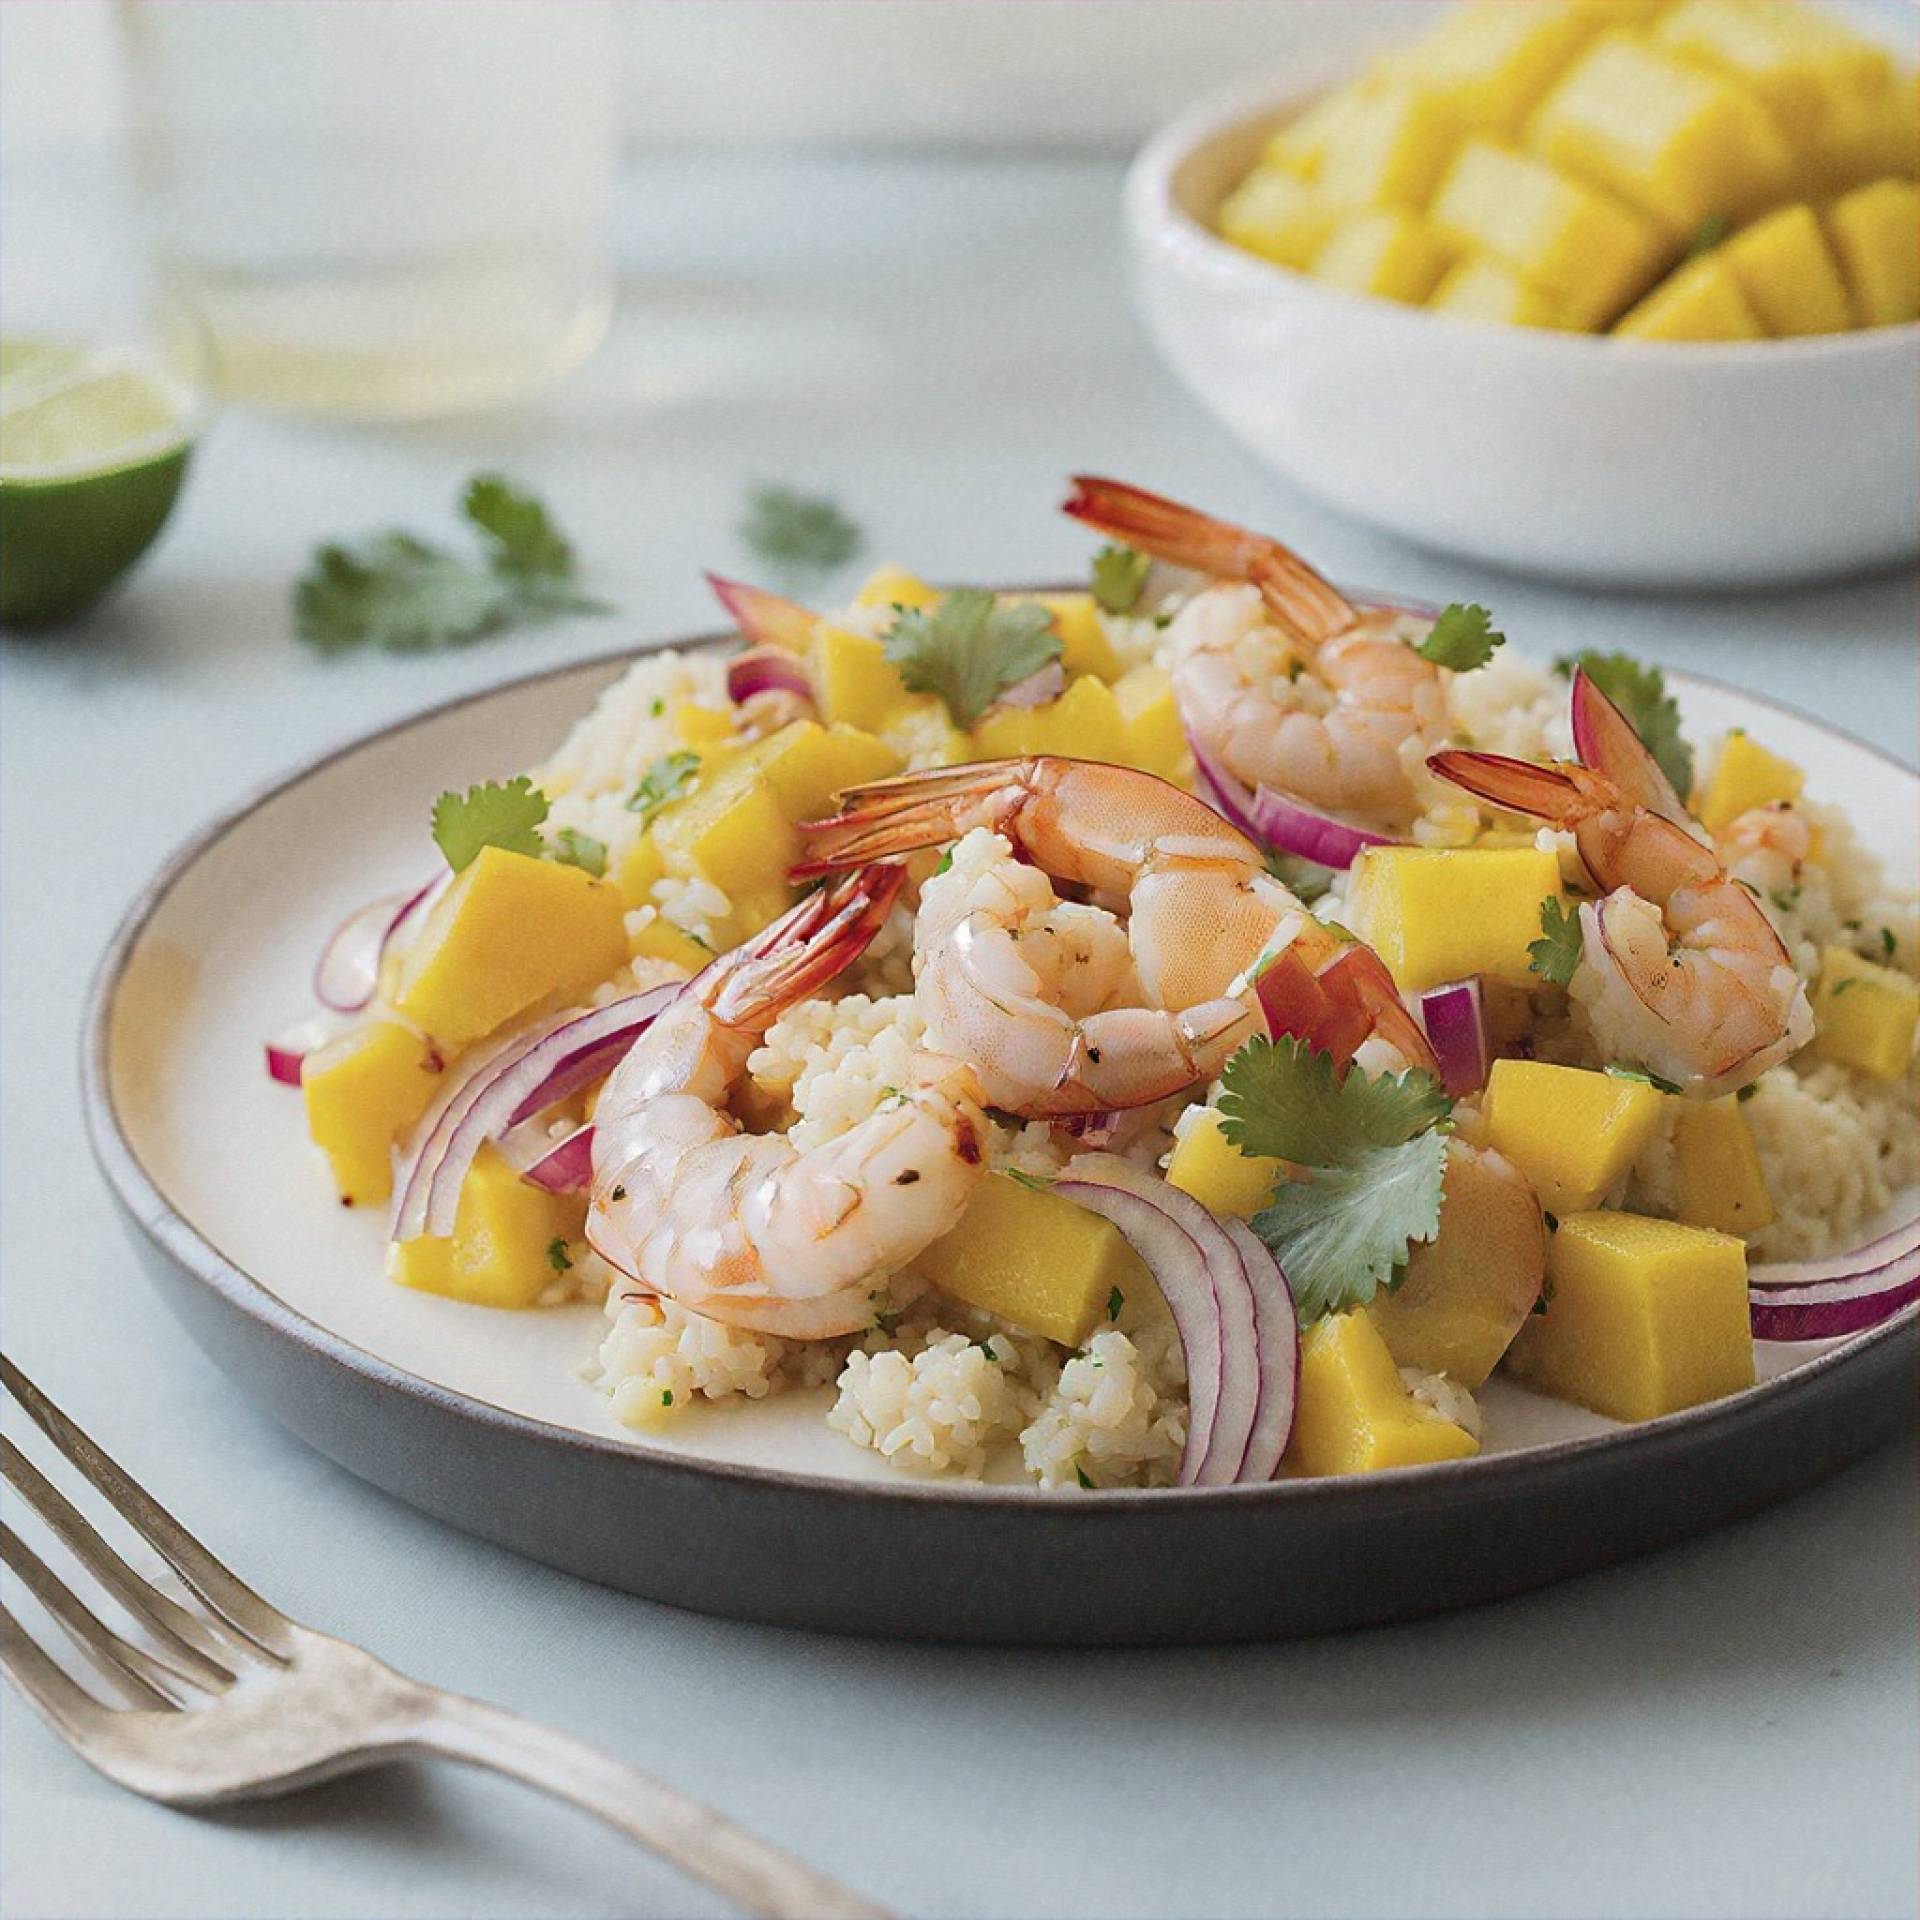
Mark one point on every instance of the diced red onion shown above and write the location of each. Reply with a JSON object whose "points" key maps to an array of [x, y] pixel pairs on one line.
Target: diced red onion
{"points": [[1455, 1020], [287, 1052], [1273, 820], [347, 974], [530, 1071], [566, 1166], [765, 618], [1277, 1334], [1042, 685], [767, 669], [1604, 739]]}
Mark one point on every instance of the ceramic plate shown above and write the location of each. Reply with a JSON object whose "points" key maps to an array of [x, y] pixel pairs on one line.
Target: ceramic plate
{"points": [[761, 1512]]}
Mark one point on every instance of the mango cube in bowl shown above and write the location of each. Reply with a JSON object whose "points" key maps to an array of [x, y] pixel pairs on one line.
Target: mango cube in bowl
{"points": [[1278, 216], [1744, 777], [1700, 301], [1487, 63], [1435, 914], [1390, 253], [1571, 1131], [1864, 1015], [501, 1252], [1483, 289], [1876, 234], [1206, 1164], [1354, 1413], [1786, 270]]}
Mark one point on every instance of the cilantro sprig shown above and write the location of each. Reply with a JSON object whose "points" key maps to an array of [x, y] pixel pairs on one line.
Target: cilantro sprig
{"points": [[1119, 578], [797, 531], [1556, 954], [1284, 1100], [1640, 692], [1464, 637], [506, 815], [667, 779], [970, 649], [403, 594]]}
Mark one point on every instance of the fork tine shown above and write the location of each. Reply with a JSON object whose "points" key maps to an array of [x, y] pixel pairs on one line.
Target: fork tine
{"points": [[135, 1672], [191, 1644], [75, 1714], [227, 1595]]}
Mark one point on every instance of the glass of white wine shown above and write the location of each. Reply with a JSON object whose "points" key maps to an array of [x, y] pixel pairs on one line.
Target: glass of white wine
{"points": [[389, 209]]}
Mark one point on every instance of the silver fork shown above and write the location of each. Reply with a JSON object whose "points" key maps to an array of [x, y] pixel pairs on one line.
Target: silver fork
{"points": [[245, 1703]]}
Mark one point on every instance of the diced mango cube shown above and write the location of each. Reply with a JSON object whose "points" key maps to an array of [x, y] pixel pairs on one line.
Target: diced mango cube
{"points": [[1464, 1293], [640, 867], [1354, 1415], [856, 682], [1155, 740], [1746, 776], [1586, 252], [1084, 724], [500, 1253], [1643, 1317], [697, 726], [1390, 152], [1700, 301], [1392, 254], [363, 1090], [1435, 914], [1876, 233], [1488, 63], [1301, 146], [1483, 289], [895, 587], [1206, 1164], [1788, 274], [1716, 1169], [509, 931], [1041, 1263], [1674, 141], [1868, 137], [1084, 646], [733, 830], [807, 764], [1278, 216], [661, 940], [1864, 1015], [1572, 1132]]}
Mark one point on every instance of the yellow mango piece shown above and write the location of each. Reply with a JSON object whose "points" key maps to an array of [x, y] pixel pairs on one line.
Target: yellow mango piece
{"points": [[1390, 152], [1154, 739], [1392, 254], [362, 1091], [1716, 1168], [697, 726], [1868, 136], [640, 866], [1700, 301], [1788, 274], [1084, 724], [922, 734], [1586, 252], [1278, 216], [1301, 146], [1572, 1132], [1746, 776], [1643, 1317], [807, 765], [509, 931], [1041, 1263], [661, 940], [1206, 1164], [733, 830], [1486, 64], [1864, 1015], [1354, 1415], [1674, 141], [500, 1253], [856, 682], [1084, 646], [1796, 59], [1466, 1291], [752, 911], [1876, 233], [895, 587], [1435, 914], [1484, 290]]}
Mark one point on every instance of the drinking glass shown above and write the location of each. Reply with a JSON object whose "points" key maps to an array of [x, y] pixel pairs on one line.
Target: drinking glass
{"points": [[386, 209]]}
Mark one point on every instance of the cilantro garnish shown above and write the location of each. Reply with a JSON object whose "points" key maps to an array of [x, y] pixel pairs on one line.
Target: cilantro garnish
{"points": [[1283, 1100], [1623, 1070], [491, 815], [1784, 899], [557, 1256], [799, 530], [666, 1397], [1080, 1474], [1748, 1091], [407, 595], [1464, 637], [1115, 1301], [1031, 1181], [1842, 986], [1708, 235], [1119, 575], [1640, 692], [1306, 881], [970, 648], [1556, 954], [666, 780], [1888, 944], [575, 849]]}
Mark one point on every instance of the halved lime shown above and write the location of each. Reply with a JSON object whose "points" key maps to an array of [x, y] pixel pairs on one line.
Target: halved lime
{"points": [[92, 452]]}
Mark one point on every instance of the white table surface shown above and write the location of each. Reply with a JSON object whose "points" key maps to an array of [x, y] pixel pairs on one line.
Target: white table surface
{"points": [[1725, 1728]]}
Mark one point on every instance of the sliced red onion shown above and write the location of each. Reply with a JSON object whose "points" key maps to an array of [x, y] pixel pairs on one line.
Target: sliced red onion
{"points": [[767, 670], [765, 618], [1042, 685], [1827, 1312], [531, 1070], [1455, 1020], [347, 974], [1277, 1336], [1092, 1129], [566, 1166], [1286, 825], [1604, 739], [1876, 1254], [287, 1052]]}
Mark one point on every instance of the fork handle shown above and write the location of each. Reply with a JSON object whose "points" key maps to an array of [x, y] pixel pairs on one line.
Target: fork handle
{"points": [[757, 1876]]}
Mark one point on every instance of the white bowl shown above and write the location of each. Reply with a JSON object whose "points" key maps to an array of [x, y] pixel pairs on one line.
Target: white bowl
{"points": [[1614, 461]]}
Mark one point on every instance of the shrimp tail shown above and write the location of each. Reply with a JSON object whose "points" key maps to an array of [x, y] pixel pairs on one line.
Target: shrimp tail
{"points": [[1548, 793], [800, 952], [1307, 604], [1357, 977], [1336, 1008], [896, 816], [1605, 740], [765, 618]]}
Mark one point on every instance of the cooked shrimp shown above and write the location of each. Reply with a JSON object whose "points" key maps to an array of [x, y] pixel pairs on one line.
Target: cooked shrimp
{"points": [[1680, 970], [1060, 1010], [745, 1228], [1765, 847], [1279, 677]]}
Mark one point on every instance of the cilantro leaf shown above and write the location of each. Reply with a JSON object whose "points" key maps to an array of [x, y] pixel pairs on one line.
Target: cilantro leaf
{"points": [[1640, 692], [1464, 637], [1556, 954], [557, 1256], [575, 849], [490, 815], [403, 594], [1624, 1070], [1340, 1234], [1282, 1100], [1119, 574], [667, 779], [970, 648], [798, 530]]}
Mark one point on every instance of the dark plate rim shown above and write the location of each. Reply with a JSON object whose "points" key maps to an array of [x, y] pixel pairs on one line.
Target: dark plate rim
{"points": [[168, 1229]]}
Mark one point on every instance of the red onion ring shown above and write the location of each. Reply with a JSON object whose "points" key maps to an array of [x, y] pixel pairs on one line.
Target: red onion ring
{"points": [[1455, 1020], [347, 974], [1272, 820], [1277, 1336], [566, 1166], [767, 669]]}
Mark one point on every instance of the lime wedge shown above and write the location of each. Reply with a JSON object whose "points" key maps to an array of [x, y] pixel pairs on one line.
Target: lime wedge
{"points": [[92, 453]]}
